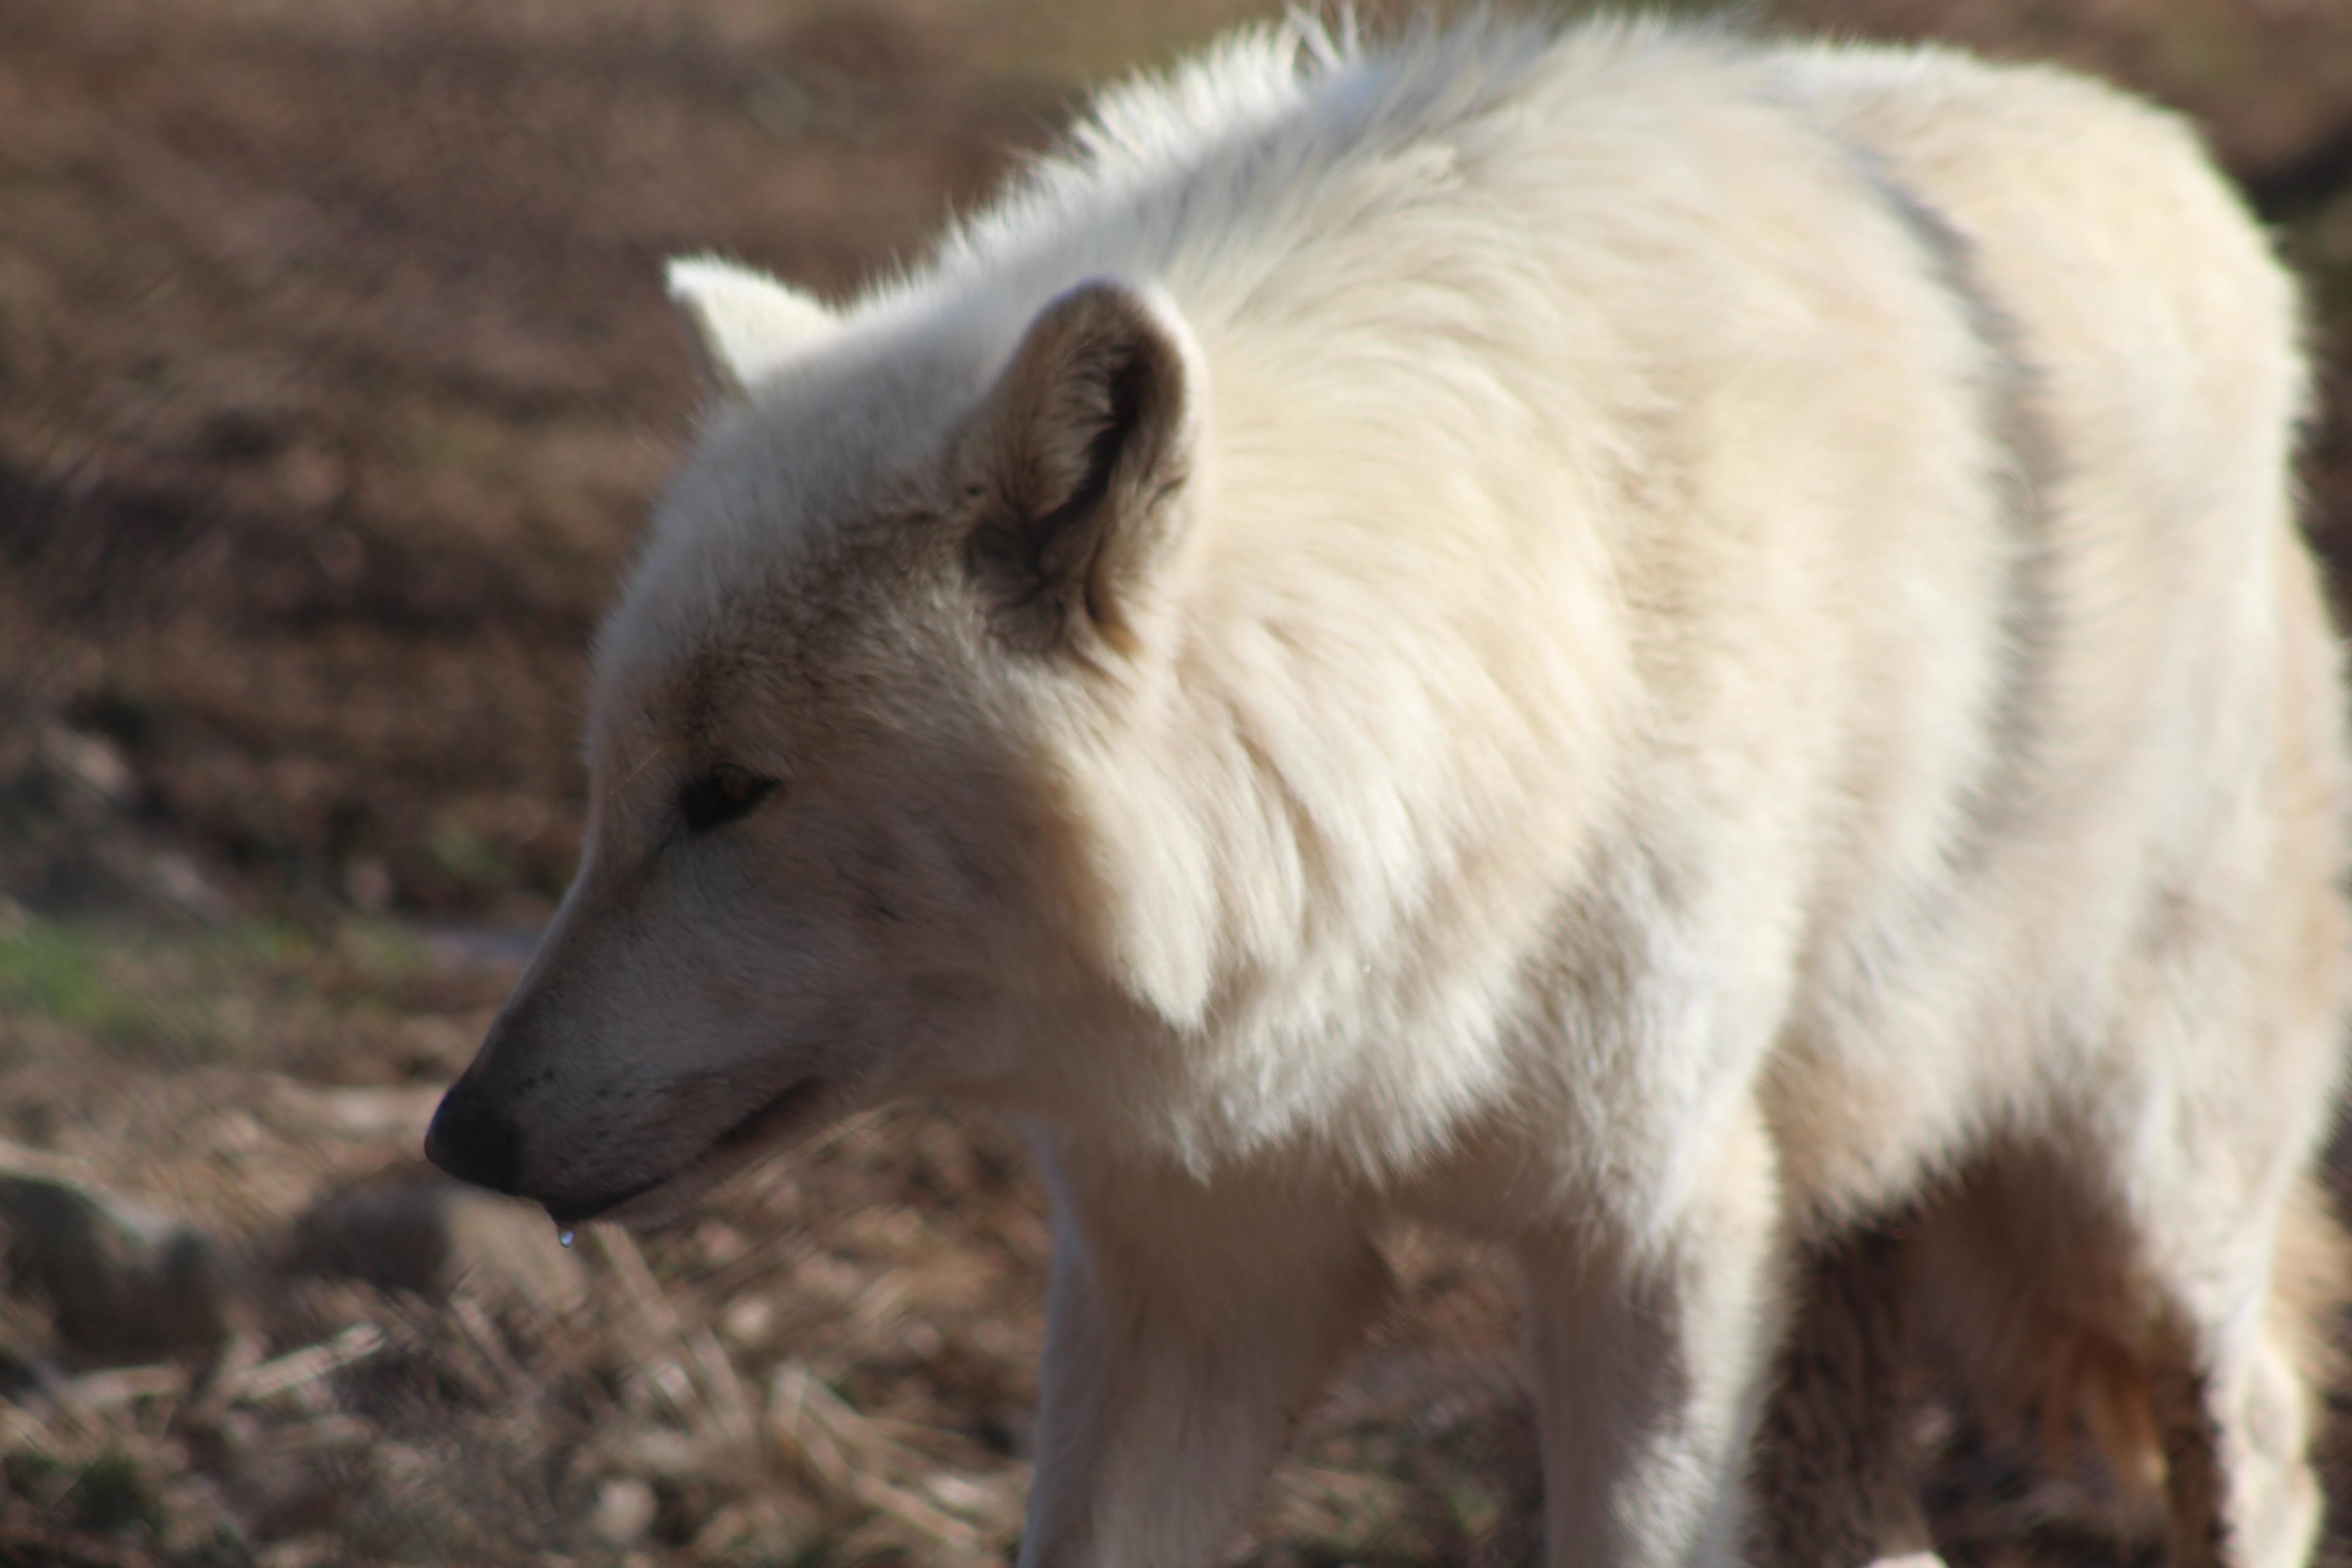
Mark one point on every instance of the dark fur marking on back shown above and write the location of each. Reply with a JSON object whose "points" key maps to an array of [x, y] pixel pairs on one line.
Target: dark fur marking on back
{"points": [[2030, 470]]}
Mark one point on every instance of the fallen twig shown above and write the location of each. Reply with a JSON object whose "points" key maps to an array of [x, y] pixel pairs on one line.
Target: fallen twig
{"points": [[299, 1368]]}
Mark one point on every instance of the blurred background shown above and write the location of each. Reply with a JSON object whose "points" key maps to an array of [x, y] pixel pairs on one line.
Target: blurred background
{"points": [[334, 380]]}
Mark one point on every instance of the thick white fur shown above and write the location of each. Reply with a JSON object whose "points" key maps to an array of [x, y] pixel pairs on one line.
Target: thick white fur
{"points": [[1702, 633]]}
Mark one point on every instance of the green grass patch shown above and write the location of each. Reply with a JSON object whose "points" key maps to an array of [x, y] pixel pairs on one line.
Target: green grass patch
{"points": [[469, 856], [245, 992], [62, 973], [159, 996], [385, 954]]}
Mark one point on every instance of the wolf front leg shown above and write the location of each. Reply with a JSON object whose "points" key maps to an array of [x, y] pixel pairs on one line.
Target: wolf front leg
{"points": [[1648, 1345], [1190, 1323]]}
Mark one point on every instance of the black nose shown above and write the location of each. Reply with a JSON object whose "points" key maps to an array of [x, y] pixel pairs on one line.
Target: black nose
{"points": [[473, 1140]]}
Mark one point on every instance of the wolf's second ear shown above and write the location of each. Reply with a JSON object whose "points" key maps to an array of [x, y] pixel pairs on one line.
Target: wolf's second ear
{"points": [[746, 323], [1079, 461]]}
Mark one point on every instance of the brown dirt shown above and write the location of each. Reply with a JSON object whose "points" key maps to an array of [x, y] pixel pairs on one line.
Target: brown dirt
{"points": [[334, 380]]}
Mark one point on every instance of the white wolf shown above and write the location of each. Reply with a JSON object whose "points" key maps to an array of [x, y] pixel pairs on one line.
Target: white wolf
{"points": [[1655, 645]]}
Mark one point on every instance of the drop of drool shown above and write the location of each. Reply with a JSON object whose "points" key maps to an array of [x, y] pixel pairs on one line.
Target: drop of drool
{"points": [[563, 1237]]}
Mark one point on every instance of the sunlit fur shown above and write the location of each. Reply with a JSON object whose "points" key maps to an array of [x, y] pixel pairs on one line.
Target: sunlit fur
{"points": [[1680, 643]]}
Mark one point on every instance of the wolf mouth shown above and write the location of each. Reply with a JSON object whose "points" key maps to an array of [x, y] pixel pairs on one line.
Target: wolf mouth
{"points": [[718, 1159]]}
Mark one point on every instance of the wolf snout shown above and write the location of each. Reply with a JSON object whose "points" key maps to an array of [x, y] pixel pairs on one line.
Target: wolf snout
{"points": [[474, 1140]]}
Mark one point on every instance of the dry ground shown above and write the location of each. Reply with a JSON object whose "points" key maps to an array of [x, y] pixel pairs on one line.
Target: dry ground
{"points": [[333, 380]]}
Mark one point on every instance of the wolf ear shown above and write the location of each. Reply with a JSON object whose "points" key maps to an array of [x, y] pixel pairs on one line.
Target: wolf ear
{"points": [[1083, 448], [746, 323]]}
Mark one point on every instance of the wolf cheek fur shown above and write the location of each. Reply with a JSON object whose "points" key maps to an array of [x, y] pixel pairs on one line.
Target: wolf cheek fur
{"points": [[1657, 646]]}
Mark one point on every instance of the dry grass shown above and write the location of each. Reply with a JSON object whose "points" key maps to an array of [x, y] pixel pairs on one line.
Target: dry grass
{"points": [[834, 1363]]}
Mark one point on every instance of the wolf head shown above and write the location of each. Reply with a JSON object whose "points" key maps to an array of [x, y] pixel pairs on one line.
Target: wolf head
{"points": [[827, 861]]}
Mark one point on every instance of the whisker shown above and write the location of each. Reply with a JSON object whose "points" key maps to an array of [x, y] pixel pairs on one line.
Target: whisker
{"points": [[648, 760]]}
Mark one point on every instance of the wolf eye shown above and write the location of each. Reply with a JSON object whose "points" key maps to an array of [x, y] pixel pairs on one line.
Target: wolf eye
{"points": [[719, 796]]}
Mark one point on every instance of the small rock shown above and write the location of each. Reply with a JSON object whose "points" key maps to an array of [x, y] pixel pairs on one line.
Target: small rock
{"points": [[121, 1284], [720, 1242], [182, 885], [625, 1508], [748, 1321], [90, 762], [431, 1236]]}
